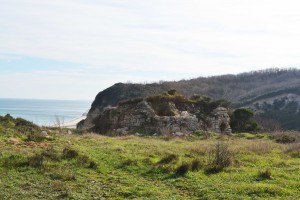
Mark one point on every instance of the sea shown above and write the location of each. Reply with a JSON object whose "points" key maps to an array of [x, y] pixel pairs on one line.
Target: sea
{"points": [[44, 112]]}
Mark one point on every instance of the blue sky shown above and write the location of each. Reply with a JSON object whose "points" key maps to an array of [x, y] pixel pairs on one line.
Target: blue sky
{"points": [[72, 49]]}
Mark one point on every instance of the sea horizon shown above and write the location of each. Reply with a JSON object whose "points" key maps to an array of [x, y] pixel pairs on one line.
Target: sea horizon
{"points": [[44, 112]]}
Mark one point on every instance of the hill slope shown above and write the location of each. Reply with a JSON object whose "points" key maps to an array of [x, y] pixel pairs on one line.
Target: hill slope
{"points": [[258, 90]]}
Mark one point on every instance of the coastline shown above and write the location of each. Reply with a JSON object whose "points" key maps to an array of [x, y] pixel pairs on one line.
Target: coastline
{"points": [[72, 123]]}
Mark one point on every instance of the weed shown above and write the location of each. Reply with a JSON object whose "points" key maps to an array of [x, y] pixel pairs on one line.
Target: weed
{"points": [[35, 137], [196, 165], [265, 174], [57, 185], [128, 162], [168, 159], [294, 150], [51, 154], [93, 165], [62, 175], [182, 169], [285, 137], [85, 161], [219, 158], [69, 153], [14, 161], [36, 161], [198, 150]]}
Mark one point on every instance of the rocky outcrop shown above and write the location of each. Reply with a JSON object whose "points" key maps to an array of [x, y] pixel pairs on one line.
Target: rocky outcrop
{"points": [[143, 116], [259, 90]]}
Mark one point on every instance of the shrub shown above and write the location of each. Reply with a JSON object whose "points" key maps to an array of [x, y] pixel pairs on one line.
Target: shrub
{"points": [[36, 161], [51, 154], [182, 169], [196, 165], [219, 157], [242, 121], [62, 174], [35, 137], [93, 165], [168, 159], [265, 174], [128, 162], [69, 153], [294, 150], [24, 126], [285, 137], [85, 161], [14, 161]]}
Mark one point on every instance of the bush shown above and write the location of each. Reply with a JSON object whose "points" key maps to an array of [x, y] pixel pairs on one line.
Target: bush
{"points": [[69, 153], [85, 161], [294, 150], [241, 120], [92, 165], [35, 137], [196, 165], [24, 126], [285, 137], [128, 162], [14, 161], [219, 157], [265, 174], [36, 161], [182, 169], [51, 154], [168, 159]]}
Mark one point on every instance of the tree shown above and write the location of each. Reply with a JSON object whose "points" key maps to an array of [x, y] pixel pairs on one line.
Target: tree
{"points": [[242, 121]]}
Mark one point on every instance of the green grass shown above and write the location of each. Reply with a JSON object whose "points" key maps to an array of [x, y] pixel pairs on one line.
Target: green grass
{"points": [[144, 168]]}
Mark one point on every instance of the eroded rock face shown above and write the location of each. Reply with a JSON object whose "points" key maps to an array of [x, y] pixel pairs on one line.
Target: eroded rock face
{"points": [[220, 121], [141, 118]]}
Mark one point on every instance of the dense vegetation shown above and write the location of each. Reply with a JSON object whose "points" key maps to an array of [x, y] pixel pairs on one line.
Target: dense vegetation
{"points": [[280, 114], [242, 120], [243, 90], [200, 166]]}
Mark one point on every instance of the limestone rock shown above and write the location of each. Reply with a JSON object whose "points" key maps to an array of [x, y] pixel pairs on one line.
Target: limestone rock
{"points": [[141, 117]]}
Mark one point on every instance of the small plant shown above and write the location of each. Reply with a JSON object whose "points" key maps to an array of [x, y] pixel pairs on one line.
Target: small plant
{"points": [[196, 165], [51, 154], [85, 161], [265, 174], [36, 161], [57, 185], [182, 169], [93, 165], [285, 137], [14, 161], [35, 137], [62, 175], [219, 157], [69, 153], [294, 150], [128, 162], [168, 159]]}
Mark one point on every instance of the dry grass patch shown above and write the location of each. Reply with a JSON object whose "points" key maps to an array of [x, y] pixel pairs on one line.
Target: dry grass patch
{"points": [[293, 150]]}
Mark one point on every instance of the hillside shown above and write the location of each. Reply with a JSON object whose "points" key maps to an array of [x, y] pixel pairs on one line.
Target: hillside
{"points": [[258, 90], [89, 166]]}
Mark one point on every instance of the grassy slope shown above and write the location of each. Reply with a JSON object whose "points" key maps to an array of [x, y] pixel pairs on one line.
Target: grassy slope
{"points": [[127, 168]]}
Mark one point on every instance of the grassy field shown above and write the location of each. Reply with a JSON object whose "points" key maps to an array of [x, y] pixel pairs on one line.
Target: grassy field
{"points": [[98, 167]]}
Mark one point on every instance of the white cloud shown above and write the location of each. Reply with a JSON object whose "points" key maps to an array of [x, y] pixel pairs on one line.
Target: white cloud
{"points": [[180, 36]]}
